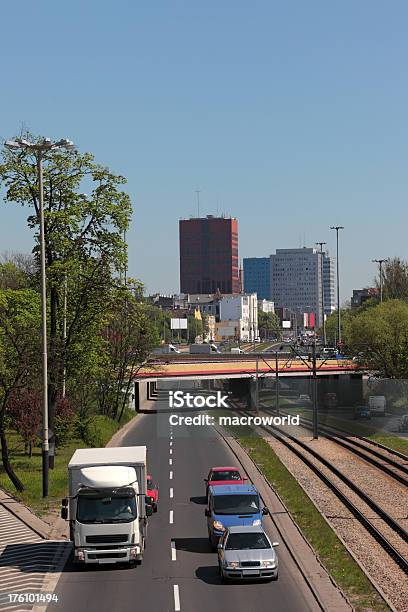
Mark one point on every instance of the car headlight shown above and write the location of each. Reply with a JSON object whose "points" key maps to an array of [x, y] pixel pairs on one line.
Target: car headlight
{"points": [[232, 564], [271, 564], [218, 526], [256, 522]]}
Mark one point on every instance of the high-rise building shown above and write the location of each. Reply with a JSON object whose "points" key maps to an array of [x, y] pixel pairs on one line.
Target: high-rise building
{"points": [[296, 281], [209, 255], [328, 284], [257, 276]]}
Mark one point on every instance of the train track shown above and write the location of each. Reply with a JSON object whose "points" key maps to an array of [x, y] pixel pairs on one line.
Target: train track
{"points": [[366, 453], [294, 445]]}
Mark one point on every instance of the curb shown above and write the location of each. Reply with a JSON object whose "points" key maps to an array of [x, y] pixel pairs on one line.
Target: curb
{"points": [[25, 515]]}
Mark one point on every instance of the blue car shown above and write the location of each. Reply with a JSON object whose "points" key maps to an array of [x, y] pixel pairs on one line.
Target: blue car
{"points": [[230, 506]]}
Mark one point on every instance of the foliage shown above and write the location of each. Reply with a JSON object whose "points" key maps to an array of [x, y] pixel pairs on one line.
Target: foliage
{"points": [[63, 421], [379, 335], [130, 335], [268, 323], [395, 279], [83, 238], [19, 354], [24, 407], [346, 315]]}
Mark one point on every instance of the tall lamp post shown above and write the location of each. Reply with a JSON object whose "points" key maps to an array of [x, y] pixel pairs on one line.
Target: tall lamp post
{"points": [[39, 149], [337, 228], [380, 265], [322, 292]]}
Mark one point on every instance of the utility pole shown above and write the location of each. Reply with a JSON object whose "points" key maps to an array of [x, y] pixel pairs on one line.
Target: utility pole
{"points": [[337, 228], [64, 330], [257, 385], [39, 149], [198, 191], [314, 376], [322, 290], [277, 383], [380, 265]]}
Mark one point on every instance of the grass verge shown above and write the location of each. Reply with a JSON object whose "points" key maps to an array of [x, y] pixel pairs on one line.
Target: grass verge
{"points": [[330, 550], [29, 470]]}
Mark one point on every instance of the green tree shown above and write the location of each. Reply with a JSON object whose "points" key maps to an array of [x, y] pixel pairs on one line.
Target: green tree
{"points": [[81, 233], [19, 356], [268, 324], [346, 315], [395, 279], [130, 335], [379, 335]]}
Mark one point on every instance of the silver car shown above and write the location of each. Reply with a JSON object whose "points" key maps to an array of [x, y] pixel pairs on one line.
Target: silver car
{"points": [[246, 552]]}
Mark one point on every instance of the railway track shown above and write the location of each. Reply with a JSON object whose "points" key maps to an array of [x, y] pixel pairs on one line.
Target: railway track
{"points": [[301, 450], [357, 447]]}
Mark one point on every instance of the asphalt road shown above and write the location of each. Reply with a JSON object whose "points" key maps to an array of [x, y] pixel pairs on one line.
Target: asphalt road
{"points": [[185, 578]]}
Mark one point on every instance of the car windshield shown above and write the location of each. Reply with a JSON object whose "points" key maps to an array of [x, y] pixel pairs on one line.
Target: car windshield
{"points": [[247, 541], [150, 484], [236, 504], [106, 507], [225, 475]]}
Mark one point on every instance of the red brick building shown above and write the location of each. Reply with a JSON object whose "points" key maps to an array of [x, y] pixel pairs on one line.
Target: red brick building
{"points": [[209, 255]]}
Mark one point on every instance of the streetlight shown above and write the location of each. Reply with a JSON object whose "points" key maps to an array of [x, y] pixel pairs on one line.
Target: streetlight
{"points": [[337, 228], [380, 264], [39, 149], [322, 296]]}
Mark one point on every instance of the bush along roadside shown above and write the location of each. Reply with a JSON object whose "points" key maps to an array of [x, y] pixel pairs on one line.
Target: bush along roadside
{"points": [[333, 555], [81, 433]]}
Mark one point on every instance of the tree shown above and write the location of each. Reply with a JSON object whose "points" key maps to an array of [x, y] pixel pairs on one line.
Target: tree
{"points": [[379, 336], [24, 408], [130, 335], [395, 279], [269, 323], [83, 235], [19, 356], [346, 315]]}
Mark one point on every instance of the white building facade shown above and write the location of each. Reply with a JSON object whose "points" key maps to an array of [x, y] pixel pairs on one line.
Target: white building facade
{"points": [[242, 309]]}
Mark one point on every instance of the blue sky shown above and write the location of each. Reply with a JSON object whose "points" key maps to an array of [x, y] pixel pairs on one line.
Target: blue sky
{"points": [[291, 116]]}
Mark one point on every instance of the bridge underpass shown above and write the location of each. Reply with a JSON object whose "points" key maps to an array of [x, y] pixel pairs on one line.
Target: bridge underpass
{"points": [[247, 380]]}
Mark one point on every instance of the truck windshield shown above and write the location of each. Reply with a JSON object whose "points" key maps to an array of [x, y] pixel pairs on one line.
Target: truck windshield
{"points": [[106, 507], [236, 504]]}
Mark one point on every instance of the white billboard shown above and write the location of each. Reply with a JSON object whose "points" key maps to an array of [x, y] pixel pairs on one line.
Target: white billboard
{"points": [[286, 324], [178, 323]]}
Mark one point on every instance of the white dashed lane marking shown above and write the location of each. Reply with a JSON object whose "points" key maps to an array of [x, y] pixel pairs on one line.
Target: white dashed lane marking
{"points": [[176, 598]]}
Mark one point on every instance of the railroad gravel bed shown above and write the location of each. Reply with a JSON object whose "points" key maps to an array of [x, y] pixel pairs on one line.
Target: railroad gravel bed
{"points": [[378, 565], [389, 494]]}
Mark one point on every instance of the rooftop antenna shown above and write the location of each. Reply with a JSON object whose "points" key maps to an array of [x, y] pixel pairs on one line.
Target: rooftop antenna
{"points": [[198, 191]]}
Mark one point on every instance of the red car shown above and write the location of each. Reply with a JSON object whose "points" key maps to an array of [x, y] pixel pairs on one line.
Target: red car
{"points": [[223, 476], [152, 492]]}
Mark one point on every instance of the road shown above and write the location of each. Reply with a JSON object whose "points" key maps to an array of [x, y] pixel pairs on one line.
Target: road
{"points": [[183, 575]]}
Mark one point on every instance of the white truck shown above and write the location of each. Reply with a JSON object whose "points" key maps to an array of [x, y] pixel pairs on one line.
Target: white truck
{"points": [[377, 404], [205, 349], [106, 507]]}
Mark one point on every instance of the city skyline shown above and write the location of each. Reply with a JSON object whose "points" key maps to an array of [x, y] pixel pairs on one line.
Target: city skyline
{"points": [[300, 128]]}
